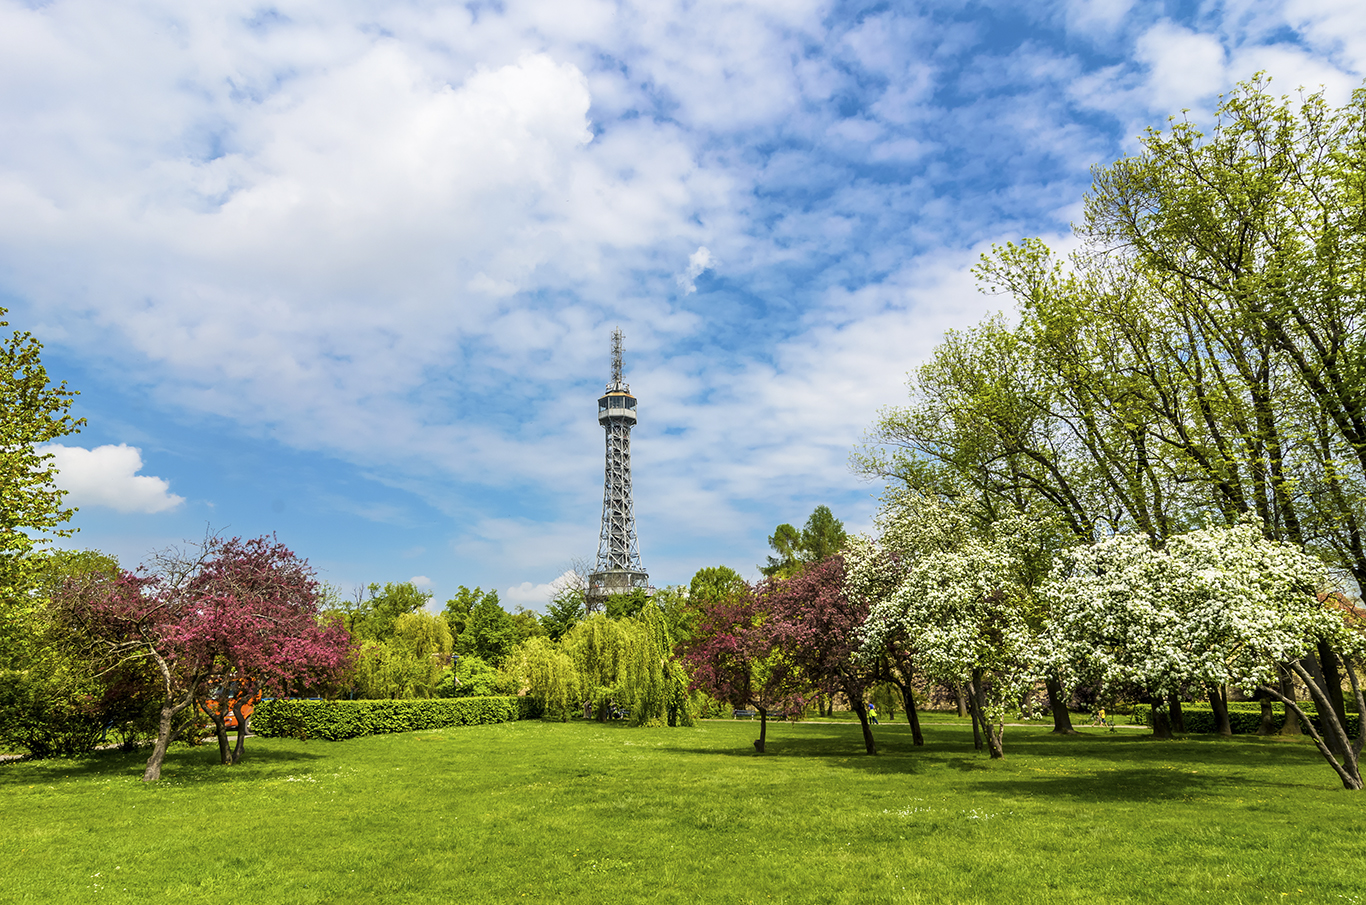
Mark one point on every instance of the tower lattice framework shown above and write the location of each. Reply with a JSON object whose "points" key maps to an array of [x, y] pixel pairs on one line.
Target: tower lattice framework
{"points": [[618, 569]]}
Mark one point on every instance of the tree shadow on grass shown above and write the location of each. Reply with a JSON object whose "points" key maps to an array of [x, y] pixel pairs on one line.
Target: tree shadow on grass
{"points": [[1134, 784], [1127, 766], [1210, 750], [200, 763]]}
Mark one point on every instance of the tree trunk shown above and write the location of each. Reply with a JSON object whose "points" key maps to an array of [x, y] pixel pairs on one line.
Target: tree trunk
{"points": [[962, 701], [1268, 724], [908, 697], [1162, 724], [1057, 701], [169, 710], [1332, 676], [1324, 670], [1348, 767], [1291, 726], [241, 726], [220, 732], [855, 696], [992, 731], [976, 721], [763, 729], [1174, 708], [220, 724], [1219, 704]]}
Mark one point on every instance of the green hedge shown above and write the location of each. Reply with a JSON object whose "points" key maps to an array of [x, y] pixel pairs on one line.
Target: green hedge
{"points": [[1245, 717], [334, 720]]}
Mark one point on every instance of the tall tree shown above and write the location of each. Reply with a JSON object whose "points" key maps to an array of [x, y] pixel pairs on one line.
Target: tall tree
{"points": [[966, 599], [1222, 606], [32, 412], [816, 626], [489, 632], [459, 607], [821, 537], [735, 658]]}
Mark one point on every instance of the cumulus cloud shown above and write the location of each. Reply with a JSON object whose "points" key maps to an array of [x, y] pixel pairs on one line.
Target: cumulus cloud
{"points": [[533, 596], [698, 261], [108, 476], [400, 237], [420, 581]]}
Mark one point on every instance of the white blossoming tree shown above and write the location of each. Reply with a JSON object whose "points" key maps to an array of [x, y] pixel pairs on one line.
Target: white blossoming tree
{"points": [[955, 590], [1215, 606]]}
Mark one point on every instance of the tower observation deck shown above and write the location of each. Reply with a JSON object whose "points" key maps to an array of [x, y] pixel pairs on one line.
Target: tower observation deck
{"points": [[618, 569]]}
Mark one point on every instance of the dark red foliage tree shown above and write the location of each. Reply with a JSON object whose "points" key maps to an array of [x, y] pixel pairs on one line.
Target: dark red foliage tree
{"points": [[130, 618], [733, 657], [229, 619], [255, 618], [816, 626]]}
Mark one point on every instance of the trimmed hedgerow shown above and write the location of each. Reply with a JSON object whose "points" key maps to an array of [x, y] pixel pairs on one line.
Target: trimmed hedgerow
{"points": [[1244, 717], [335, 720]]}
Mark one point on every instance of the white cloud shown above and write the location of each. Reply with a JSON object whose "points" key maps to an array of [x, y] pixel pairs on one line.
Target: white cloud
{"points": [[401, 241], [698, 261], [420, 581], [1184, 66], [536, 596], [108, 476]]}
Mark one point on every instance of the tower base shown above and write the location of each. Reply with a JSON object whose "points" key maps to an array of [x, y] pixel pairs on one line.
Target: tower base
{"points": [[602, 585]]}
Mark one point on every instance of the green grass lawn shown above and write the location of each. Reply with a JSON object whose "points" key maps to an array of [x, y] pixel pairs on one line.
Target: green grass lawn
{"points": [[582, 812]]}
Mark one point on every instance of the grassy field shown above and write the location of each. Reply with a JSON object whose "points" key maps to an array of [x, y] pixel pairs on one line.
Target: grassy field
{"points": [[537, 812]]}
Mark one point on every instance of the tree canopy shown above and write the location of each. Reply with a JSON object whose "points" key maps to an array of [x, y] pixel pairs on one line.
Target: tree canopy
{"points": [[821, 537]]}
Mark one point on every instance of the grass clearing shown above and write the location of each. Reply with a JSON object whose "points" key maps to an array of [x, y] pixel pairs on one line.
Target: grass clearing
{"points": [[582, 812]]}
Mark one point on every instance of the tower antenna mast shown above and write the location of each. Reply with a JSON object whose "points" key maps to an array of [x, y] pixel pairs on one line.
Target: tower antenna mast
{"points": [[618, 569]]}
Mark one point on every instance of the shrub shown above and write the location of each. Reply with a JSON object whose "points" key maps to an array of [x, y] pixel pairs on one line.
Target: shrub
{"points": [[476, 679], [1245, 717], [335, 720]]}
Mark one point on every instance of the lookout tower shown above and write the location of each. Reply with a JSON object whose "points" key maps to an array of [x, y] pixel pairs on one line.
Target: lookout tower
{"points": [[618, 569]]}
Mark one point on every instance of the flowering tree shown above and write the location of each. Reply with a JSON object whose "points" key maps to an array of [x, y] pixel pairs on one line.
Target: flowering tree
{"points": [[253, 612], [735, 658], [222, 622], [957, 597], [815, 624], [1215, 606]]}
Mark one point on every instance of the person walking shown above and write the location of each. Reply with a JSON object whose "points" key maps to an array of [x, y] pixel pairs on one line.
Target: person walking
{"points": [[872, 714]]}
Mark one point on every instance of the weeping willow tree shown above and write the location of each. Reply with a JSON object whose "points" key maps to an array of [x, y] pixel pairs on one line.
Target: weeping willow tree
{"points": [[550, 676], [599, 647], [606, 666], [409, 664], [653, 684]]}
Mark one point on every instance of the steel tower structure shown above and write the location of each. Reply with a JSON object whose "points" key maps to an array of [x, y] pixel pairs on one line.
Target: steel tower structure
{"points": [[618, 569]]}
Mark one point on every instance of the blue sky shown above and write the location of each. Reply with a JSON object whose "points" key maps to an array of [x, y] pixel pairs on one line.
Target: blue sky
{"points": [[347, 271]]}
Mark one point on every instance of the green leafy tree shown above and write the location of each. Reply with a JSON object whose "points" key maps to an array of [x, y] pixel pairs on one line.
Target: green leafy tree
{"points": [[527, 625], [373, 614], [821, 537], [32, 412], [653, 684], [490, 632], [459, 607], [623, 606], [425, 639], [551, 677], [60, 703], [472, 677], [565, 610], [712, 584], [598, 647]]}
